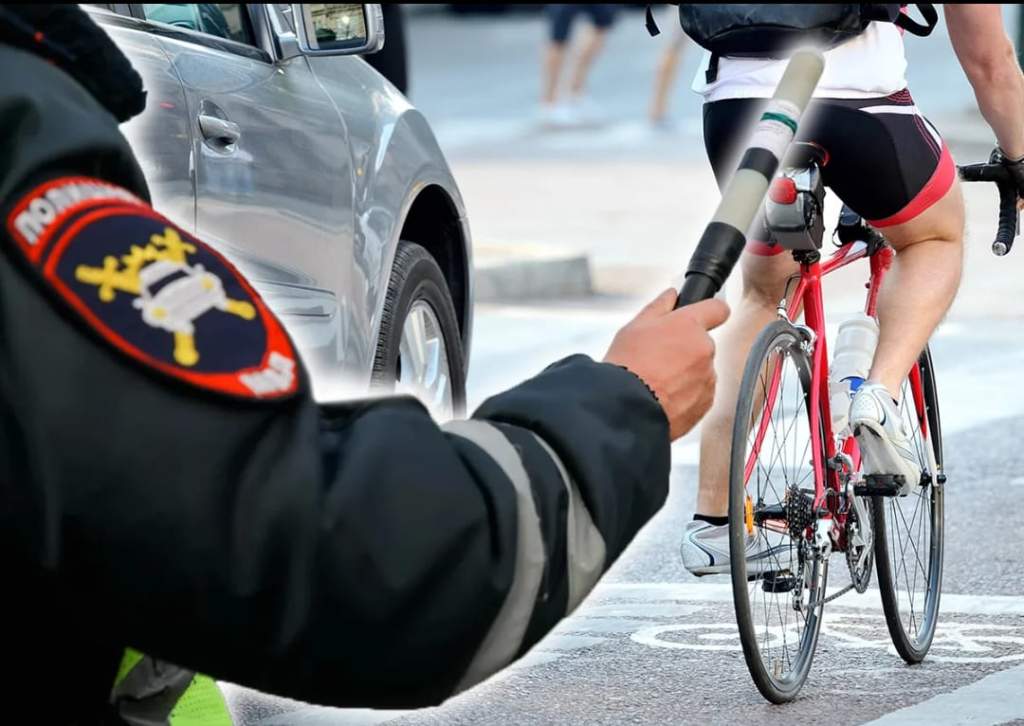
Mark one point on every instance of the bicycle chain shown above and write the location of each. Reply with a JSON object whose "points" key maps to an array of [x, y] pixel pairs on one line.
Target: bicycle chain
{"points": [[833, 596]]}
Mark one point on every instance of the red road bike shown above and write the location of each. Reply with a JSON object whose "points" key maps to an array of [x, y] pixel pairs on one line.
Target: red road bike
{"points": [[796, 485]]}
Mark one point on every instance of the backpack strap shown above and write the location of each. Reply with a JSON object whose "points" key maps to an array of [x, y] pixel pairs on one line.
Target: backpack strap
{"points": [[711, 75], [652, 24], [930, 15]]}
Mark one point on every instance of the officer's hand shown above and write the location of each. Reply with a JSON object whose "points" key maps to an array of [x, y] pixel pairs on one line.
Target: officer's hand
{"points": [[673, 354]]}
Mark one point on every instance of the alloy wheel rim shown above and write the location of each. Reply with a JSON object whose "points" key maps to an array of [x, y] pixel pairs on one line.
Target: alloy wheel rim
{"points": [[423, 368]]}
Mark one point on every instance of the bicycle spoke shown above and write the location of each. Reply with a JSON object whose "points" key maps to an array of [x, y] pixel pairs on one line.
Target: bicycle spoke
{"points": [[916, 518], [910, 590], [779, 456]]}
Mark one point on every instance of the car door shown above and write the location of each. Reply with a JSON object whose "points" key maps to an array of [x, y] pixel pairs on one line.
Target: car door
{"points": [[273, 174], [160, 135]]}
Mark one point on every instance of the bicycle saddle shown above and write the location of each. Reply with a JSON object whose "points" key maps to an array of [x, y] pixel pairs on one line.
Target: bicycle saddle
{"points": [[803, 154]]}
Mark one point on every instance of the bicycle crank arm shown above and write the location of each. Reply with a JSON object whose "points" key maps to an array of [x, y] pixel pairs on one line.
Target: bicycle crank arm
{"points": [[724, 237]]}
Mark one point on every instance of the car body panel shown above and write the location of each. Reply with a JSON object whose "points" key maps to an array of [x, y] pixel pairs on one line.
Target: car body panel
{"points": [[311, 200]]}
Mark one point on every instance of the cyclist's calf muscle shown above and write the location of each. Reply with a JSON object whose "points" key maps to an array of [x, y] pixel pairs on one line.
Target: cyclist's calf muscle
{"points": [[921, 286]]}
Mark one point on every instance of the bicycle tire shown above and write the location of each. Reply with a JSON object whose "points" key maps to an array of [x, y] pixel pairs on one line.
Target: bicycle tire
{"points": [[913, 646], [780, 336]]}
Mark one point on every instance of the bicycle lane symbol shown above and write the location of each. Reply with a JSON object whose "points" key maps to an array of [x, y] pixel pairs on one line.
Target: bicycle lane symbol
{"points": [[955, 642]]}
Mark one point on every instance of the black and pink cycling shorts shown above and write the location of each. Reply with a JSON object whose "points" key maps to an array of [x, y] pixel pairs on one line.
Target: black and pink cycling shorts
{"points": [[885, 160]]}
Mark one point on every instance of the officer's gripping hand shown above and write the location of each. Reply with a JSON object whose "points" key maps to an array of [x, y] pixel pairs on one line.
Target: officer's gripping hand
{"points": [[672, 352]]}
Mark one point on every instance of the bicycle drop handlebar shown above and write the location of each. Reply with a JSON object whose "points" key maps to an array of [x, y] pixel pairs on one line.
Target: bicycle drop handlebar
{"points": [[1009, 220], [725, 236]]}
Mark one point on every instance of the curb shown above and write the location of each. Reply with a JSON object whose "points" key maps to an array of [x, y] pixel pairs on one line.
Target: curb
{"points": [[530, 272]]}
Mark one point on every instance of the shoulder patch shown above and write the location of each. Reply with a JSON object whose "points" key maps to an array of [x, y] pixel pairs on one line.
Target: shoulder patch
{"points": [[152, 290]]}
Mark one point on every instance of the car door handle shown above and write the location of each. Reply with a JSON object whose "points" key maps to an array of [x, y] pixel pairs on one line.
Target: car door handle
{"points": [[218, 129]]}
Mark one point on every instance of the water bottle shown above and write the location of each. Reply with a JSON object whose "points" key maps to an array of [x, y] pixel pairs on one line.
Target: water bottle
{"points": [[854, 351]]}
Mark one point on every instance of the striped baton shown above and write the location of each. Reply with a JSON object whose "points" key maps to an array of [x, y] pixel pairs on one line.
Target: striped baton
{"points": [[725, 236]]}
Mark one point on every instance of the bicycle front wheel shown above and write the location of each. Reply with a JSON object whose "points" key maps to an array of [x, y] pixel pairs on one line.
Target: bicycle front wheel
{"points": [[908, 530], [778, 582]]}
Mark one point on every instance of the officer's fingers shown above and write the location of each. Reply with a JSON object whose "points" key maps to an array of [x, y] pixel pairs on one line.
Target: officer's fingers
{"points": [[659, 306], [709, 314]]}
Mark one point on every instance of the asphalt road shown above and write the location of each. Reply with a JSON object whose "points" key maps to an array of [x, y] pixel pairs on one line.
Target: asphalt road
{"points": [[654, 645]]}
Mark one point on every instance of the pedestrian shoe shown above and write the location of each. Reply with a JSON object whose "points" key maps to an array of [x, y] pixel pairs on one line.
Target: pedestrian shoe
{"points": [[556, 115], [584, 110], [705, 550], [884, 441]]}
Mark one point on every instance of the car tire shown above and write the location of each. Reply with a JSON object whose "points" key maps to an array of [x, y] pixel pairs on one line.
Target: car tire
{"points": [[416, 280]]}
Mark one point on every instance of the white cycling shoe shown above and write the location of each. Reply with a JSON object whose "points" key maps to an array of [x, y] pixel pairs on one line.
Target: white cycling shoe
{"points": [[705, 551], [885, 443]]}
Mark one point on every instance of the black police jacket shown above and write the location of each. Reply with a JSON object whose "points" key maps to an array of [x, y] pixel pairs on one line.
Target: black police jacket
{"points": [[167, 483]]}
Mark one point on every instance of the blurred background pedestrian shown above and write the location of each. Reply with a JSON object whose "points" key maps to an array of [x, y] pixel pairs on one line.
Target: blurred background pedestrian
{"points": [[666, 70], [576, 108]]}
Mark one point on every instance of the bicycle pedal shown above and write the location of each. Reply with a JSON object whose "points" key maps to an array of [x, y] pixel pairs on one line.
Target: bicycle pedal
{"points": [[777, 582], [881, 485]]}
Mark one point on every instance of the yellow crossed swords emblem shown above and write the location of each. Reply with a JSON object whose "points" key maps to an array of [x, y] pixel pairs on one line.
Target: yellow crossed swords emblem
{"points": [[188, 291]]}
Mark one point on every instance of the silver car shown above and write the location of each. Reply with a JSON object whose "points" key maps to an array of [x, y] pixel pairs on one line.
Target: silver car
{"points": [[266, 135]]}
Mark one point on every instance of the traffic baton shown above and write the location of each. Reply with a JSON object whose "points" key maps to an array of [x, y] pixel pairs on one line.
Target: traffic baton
{"points": [[724, 238]]}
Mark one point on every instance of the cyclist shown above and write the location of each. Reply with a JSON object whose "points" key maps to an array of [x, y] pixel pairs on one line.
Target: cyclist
{"points": [[890, 165]]}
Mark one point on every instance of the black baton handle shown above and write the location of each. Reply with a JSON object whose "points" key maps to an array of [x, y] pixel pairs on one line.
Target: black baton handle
{"points": [[717, 252]]}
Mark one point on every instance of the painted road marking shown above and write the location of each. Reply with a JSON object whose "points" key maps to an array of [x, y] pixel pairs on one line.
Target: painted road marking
{"points": [[685, 591], [994, 699], [954, 642], [611, 626]]}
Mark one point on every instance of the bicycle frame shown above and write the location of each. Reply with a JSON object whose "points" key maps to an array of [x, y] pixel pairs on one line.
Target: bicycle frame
{"points": [[807, 298]]}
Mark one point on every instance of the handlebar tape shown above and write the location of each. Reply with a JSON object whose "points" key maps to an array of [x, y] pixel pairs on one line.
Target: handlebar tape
{"points": [[1009, 220], [722, 242]]}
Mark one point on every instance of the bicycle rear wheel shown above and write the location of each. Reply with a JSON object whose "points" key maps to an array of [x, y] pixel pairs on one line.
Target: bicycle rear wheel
{"points": [[909, 531], [778, 593]]}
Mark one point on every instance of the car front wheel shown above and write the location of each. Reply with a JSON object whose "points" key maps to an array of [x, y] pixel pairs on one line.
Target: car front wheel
{"points": [[419, 350]]}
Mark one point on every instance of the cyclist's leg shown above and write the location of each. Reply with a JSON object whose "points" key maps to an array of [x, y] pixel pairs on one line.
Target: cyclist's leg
{"points": [[919, 289], [764, 283], [765, 270], [891, 166]]}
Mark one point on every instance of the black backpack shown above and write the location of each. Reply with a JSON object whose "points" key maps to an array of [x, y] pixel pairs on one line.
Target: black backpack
{"points": [[769, 30]]}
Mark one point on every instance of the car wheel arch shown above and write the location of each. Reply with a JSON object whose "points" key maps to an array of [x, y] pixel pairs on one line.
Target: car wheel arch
{"points": [[433, 222]]}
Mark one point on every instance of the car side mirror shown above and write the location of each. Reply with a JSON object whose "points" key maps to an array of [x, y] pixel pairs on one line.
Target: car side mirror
{"points": [[356, 29]]}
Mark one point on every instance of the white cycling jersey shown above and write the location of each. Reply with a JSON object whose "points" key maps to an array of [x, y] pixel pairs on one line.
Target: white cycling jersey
{"points": [[871, 65]]}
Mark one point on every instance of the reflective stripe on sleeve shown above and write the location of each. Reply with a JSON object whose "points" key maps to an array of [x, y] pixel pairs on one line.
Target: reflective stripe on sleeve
{"points": [[585, 548], [503, 640]]}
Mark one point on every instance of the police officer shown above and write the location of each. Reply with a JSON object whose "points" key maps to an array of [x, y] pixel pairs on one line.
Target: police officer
{"points": [[167, 483]]}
